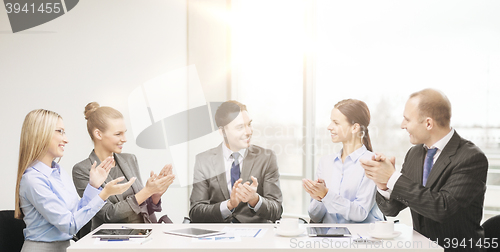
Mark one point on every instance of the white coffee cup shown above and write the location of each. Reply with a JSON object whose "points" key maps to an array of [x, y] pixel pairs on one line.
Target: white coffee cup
{"points": [[287, 224], [382, 227]]}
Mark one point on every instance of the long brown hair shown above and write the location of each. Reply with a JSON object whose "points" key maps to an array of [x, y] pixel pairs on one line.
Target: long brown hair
{"points": [[97, 117], [36, 134], [356, 111]]}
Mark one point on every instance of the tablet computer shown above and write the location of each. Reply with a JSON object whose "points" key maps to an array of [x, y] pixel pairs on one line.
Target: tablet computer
{"points": [[193, 232], [121, 233], [328, 231]]}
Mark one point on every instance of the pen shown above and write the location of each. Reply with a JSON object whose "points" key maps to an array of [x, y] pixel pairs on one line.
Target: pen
{"points": [[223, 238], [113, 239], [146, 240], [257, 233]]}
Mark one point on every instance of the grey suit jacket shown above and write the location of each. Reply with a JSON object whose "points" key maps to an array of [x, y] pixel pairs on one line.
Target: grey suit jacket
{"points": [[210, 188], [122, 208], [451, 204]]}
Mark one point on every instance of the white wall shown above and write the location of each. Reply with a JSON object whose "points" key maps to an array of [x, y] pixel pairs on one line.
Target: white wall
{"points": [[99, 51]]}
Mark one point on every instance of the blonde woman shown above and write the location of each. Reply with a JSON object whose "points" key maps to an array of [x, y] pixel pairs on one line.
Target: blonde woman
{"points": [[107, 129], [341, 192], [45, 197]]}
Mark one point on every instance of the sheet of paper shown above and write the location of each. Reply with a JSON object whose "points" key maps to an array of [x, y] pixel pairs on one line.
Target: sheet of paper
{"points": [[219, 238], [130, 241], [245, 232]]}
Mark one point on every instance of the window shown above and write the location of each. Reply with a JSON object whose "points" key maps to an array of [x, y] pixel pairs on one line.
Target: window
{"points": [[376, 51], [267, 70]]}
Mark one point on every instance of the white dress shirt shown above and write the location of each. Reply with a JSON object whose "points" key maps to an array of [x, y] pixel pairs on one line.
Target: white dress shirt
{"points": [[228, 162]]}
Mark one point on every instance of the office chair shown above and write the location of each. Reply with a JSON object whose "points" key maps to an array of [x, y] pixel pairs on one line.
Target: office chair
{"points": [[83, 231], [492, 230], [11, 232], [165, 219]]}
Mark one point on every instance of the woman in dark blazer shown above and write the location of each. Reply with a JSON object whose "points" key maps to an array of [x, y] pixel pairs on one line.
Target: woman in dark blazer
{"points": [[139, 203]]}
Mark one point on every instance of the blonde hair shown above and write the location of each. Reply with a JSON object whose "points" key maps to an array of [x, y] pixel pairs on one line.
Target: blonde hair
{"points": [[97, 117], [36, 134]]}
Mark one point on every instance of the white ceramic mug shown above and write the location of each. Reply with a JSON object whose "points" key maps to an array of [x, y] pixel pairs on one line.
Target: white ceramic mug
{"points": [[287, 224], [382, 227]]}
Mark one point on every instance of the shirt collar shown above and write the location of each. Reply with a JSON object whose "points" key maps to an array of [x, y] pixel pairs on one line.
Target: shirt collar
{"points": [[44, 169], [355, 154], [442, 142], [226, 152]]}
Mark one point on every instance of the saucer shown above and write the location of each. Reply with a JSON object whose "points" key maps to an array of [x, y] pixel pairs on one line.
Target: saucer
{"points": [[290, 233], [385, 236]]}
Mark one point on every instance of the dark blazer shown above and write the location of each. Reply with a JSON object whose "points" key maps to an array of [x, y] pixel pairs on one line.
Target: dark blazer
{"points": [[121, 208], [210, 187], [451, 204]]}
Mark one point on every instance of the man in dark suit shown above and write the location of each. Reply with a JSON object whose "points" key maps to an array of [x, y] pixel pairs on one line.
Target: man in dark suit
{"points": [[235, 181], [443, 178]]}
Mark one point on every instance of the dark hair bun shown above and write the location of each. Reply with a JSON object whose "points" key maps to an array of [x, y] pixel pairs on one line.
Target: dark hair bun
{"points": [[90, 108]]}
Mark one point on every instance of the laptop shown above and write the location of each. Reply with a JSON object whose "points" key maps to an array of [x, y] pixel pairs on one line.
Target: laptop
{"points": [[328, 231]]}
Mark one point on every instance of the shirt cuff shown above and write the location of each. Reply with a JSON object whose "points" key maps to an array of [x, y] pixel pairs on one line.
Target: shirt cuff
{"points": [[328, 197], [390, 185], [156, 207], [90, 191], [152, 207], [386, 193], [257, 206], [393, 179], [224, 211]]}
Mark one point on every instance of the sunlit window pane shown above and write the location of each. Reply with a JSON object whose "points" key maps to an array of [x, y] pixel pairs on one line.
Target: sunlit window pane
{"points": [[267, 63], [382, 51]]}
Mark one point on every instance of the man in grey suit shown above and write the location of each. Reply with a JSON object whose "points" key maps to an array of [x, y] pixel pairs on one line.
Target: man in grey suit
{"points": [[443, 178], [235, 181]]}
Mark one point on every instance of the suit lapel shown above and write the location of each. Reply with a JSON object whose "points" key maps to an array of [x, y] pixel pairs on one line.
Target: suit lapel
{"points": [[127, 171], [220, 170], [443, 160], [122, 165], [248, 163], [419, 173]]}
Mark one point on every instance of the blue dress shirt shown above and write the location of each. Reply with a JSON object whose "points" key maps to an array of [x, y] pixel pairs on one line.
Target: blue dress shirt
{"points": [[52, 209], [351, 195]]}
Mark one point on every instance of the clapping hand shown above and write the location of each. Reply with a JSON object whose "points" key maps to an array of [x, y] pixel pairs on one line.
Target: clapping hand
{"points": [[379, 169], [317, 189], [165, 171], [158, 184], [98, 174], [234, 200], [113, 188], [248, 192]]}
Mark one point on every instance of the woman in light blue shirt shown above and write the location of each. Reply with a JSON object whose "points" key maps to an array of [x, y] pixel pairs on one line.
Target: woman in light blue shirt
{"points": [[341, 193], [46, 198]]}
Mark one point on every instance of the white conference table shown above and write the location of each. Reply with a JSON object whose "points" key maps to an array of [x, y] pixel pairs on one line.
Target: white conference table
{"points": [[409, 240]]}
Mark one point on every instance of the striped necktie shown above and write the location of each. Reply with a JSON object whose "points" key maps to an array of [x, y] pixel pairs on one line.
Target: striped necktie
{"points": [[429, 160]]}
